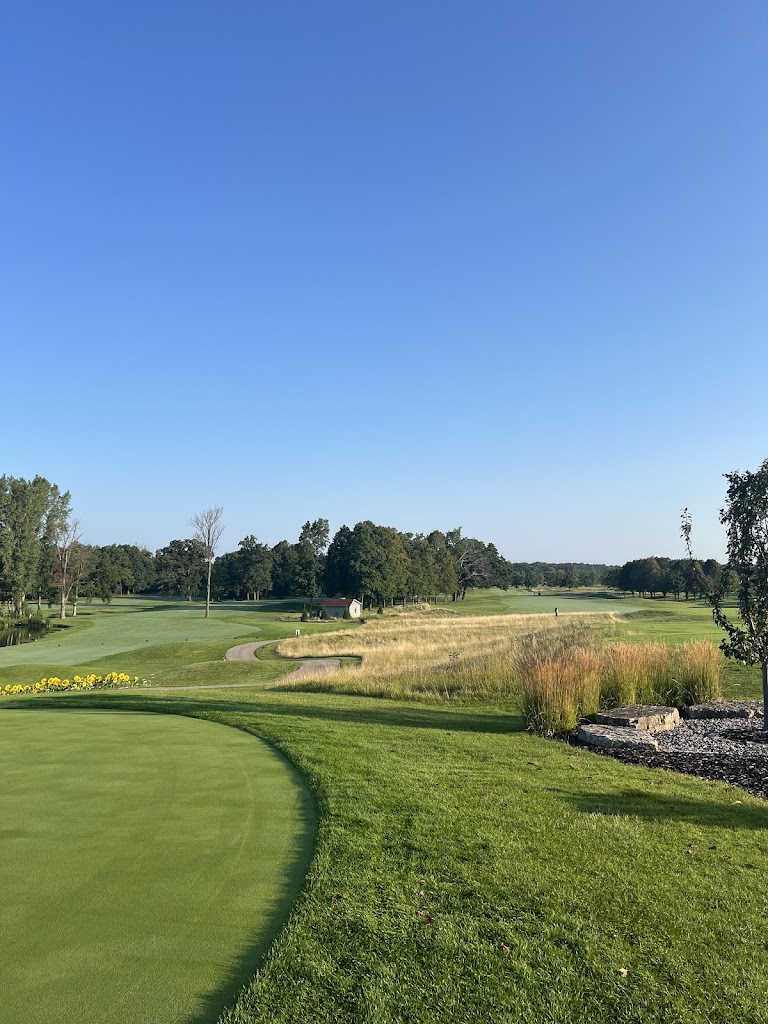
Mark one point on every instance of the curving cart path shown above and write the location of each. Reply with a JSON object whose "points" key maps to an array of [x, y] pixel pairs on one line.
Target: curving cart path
{"points": [[247, 652], [308, 666]]}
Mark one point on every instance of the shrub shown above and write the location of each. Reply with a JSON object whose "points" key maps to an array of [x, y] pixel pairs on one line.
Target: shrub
{"points": [[304, 615]]}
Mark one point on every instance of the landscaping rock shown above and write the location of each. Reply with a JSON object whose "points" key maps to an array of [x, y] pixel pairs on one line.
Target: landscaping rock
{"points": [[714, 748], [644, 717], [726, 709], [616, 737]]}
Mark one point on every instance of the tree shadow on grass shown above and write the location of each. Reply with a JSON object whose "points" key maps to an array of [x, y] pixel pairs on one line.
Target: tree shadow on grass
{"points": [[369, 710], [659, 807]]}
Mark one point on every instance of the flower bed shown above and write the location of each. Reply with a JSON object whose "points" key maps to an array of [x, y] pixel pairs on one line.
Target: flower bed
{"points": [[112, 680]]}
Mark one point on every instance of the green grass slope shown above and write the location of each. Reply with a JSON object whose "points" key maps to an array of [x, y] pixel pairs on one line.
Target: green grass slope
{"points": [[168, 643], [466, 871]]}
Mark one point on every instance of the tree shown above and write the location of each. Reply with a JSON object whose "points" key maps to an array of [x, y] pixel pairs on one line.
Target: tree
{"points": [[255, 566], [82, 563], [31, 512], [473, 568], [128, 568], [307, 568], [316, 534], [337, 577], [208, 529], [313, 540], [364, 563], [66, 539], [180, 568], [745, 517], [283, 557], [446, 580], [422, 574]]}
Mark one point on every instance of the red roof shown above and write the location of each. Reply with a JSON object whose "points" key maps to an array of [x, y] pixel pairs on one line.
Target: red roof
{"points": [[338, 602]]}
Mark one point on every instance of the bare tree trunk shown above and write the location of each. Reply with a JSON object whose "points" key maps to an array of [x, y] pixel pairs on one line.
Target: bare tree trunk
{"points": [[208, 530], [765, 695]]}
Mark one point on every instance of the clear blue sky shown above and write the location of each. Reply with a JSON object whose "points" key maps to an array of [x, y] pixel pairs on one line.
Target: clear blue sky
{"points": [[497, 264]]}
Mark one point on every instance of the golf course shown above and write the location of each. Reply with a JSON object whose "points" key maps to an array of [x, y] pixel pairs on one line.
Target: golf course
{"points": [[220, 842]]}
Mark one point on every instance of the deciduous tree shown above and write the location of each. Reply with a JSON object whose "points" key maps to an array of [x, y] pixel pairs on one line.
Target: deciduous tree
{"points": [[66, 538], [745, 517], [31, 512], [208, 529], [180, 568]]}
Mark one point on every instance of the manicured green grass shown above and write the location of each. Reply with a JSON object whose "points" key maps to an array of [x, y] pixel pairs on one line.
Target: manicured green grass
{"points": [[466, 871], [522, 602], [169, 643], [147, 862]]}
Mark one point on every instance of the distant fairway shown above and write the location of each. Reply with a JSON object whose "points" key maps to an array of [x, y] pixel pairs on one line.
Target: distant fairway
{"points": [[148, 861], [106, 631]]}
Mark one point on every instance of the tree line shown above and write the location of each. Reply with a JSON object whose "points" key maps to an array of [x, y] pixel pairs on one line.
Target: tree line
{"points": [[44, 559], [680, 577]]}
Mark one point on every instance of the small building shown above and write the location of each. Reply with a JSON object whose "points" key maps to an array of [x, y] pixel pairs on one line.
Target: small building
{"points": [[336, 607]]}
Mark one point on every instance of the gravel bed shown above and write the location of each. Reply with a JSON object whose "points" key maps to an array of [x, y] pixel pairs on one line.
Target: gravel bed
{"points": [[731, 750]]}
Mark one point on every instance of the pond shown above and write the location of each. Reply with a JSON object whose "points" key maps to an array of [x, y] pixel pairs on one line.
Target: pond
{"points": [[22, 634]]}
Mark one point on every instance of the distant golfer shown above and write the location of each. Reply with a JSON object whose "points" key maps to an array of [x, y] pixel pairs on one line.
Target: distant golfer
{"points": [[555, 612]]}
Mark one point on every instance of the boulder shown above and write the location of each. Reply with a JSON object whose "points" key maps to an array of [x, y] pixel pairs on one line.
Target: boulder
{"points": [[726, 709], [616, 737], [644, 717]]}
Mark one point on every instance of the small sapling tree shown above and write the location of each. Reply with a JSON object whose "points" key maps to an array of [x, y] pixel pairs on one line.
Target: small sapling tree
{"points": [[745, 517]]}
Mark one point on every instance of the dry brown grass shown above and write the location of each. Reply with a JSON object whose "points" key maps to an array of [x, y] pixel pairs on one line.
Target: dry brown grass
{"points": [[427, 654], [561, 669]]}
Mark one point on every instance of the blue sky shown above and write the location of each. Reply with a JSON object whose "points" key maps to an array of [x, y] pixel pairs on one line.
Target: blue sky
{"points": [[500, 265]]}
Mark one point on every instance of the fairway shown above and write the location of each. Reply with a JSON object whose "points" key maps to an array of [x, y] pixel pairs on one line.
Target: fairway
{"points": [[148, 861], [126, 625]]}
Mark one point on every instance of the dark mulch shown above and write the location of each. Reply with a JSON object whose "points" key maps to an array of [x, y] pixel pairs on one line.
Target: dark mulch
{"points": [[750, 775]]}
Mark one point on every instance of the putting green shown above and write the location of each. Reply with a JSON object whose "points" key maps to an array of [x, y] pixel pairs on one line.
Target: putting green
{"points": [[147, 861]]}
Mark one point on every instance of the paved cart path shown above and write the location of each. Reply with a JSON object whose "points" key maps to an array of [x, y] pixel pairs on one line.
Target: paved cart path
{"points": [[247, 652]]}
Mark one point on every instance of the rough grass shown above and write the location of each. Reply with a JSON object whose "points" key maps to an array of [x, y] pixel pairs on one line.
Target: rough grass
{"points": [[425, 655]]}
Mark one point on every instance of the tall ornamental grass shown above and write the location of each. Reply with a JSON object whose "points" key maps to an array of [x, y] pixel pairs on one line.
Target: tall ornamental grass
{"points": [[564, 682], [698, 673], [560, 683]]}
